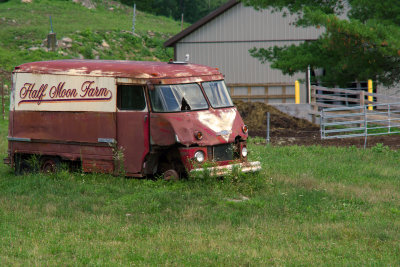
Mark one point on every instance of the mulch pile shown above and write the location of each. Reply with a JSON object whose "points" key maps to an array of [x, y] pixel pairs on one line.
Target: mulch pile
{"points": [[254, 115]]}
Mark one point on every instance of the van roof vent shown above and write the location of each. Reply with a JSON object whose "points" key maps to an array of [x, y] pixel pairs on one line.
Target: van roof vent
{"points": [[177, 62]]}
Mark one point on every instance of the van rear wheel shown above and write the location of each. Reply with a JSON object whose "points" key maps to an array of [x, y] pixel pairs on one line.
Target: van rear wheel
{"points": [[49, 164], [171, 175]]}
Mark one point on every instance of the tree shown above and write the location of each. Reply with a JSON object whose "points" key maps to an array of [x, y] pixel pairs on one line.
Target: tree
{"points": [[193, 9], [365, 45]]}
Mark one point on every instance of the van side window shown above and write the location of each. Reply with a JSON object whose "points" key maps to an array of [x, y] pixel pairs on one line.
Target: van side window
{"points": [[130, 97]]}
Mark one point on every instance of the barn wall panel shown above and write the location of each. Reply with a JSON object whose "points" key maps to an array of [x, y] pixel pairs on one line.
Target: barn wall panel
{"points": [[235, 62], [242, 23]]}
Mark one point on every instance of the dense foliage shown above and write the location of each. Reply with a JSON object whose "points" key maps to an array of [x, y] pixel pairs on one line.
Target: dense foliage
{"points": [[361, 39], [193, 10]]}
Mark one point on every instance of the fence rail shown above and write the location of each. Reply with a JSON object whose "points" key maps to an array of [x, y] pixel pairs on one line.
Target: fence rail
{"points": [[358, 97], [323, 97], [359, 121], [263, 92]]}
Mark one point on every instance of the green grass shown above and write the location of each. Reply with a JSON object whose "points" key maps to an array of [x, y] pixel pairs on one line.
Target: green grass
{"points": [[23, 26], [308, 206]]}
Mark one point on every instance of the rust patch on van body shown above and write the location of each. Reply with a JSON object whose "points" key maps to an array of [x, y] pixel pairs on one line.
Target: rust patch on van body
{"points": [[141, 71], [84, 127], [218, 126], [70, 135]]}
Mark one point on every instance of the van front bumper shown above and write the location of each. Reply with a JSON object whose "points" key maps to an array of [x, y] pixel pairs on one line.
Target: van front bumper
{"points": [[226, 169]]}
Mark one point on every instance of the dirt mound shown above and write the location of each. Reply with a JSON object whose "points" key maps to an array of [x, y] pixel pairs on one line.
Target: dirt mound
{"points": [[254, 115]]}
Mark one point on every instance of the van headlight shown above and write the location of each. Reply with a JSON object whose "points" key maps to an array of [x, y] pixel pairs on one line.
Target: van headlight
{"points": [[199, 156], [244, 152]]}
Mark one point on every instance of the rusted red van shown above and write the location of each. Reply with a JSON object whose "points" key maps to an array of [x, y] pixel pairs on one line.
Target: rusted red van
{"points": [[145, 118]]}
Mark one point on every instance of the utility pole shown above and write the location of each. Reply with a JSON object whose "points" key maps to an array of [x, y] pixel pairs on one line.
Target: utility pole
{"points": [[182, 8], [182, 23], [134, 18]]}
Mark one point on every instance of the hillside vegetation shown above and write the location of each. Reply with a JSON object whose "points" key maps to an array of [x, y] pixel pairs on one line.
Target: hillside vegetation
{"points": [[103, 32]]}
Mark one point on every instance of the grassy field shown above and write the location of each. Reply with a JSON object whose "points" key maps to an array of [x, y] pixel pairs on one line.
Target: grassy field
{"points": [[308, 206]]}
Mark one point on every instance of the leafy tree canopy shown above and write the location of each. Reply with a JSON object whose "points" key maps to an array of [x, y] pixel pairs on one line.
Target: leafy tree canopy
{"points": [[361, 39], [193, 10]]}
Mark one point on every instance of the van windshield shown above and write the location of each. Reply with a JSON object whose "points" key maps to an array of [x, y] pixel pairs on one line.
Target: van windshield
{"points": [[217, 94], [178, 97]]}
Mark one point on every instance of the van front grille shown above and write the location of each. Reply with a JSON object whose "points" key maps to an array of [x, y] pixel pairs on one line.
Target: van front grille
{"points": [[223, 152]]}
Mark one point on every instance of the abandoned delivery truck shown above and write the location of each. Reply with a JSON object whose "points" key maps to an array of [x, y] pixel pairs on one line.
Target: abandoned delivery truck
{"points": [[145, 118]]}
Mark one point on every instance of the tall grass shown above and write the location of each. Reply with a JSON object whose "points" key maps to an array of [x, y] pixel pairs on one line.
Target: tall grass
{"points": [[308, 206]]}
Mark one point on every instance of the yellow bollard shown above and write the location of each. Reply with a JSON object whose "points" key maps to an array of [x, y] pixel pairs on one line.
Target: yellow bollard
{"points": [[297, 92], [370, 97]]}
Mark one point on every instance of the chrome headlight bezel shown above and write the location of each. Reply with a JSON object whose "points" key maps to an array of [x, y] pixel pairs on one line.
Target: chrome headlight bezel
{"points": [[244, 152], [199, 156]]}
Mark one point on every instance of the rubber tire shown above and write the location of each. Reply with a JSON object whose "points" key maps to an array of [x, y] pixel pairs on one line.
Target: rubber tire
{"points": [[49, 164], [171, 175]]}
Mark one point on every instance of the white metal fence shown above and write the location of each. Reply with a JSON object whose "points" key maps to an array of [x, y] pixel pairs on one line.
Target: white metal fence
{"points": [[360, 121]]}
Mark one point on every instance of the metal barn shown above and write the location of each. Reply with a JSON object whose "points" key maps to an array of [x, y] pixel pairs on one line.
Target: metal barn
{"points": [[223, 38]]}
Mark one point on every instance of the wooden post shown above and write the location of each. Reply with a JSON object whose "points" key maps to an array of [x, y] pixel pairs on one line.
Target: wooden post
{"points": [[284, 94], [52, 41], [362, 98], [51, 38], [362, 103], [313, 102]]}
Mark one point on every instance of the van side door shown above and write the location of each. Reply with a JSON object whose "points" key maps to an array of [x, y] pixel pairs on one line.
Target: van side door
{"points": [[132, 127]]}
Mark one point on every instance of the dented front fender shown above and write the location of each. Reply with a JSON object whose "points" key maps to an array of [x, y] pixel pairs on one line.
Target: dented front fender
{"points": [[218, 126]]}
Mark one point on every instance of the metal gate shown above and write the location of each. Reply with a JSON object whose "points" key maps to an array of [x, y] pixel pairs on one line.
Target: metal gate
{"points": [[360, 121]]}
